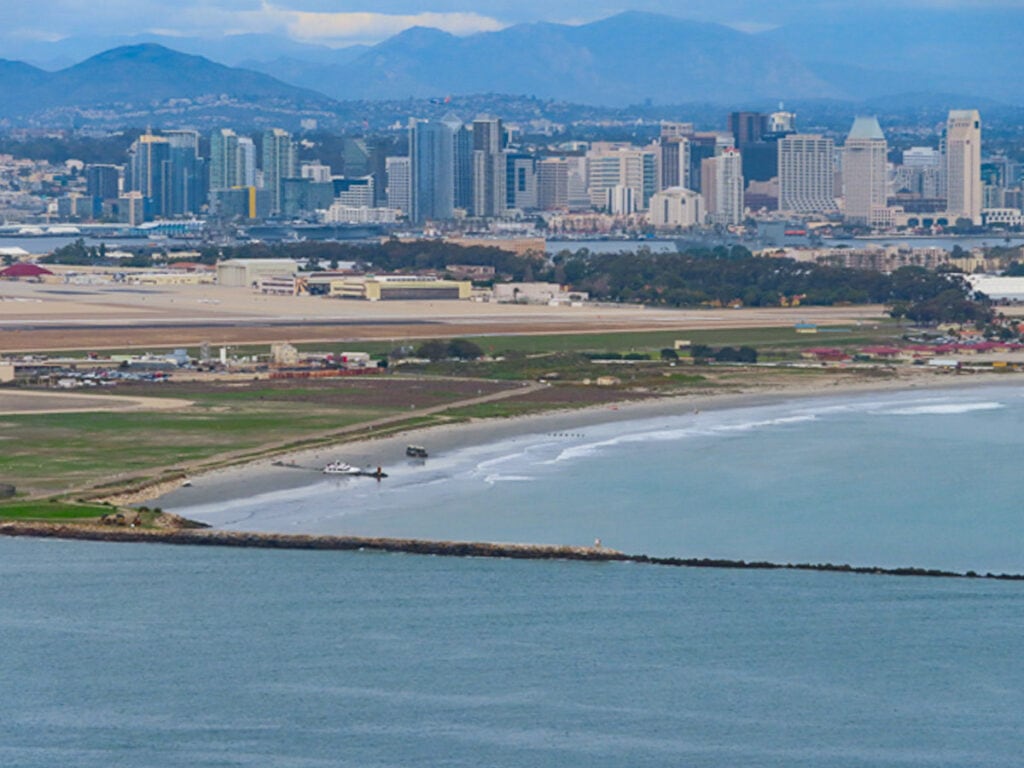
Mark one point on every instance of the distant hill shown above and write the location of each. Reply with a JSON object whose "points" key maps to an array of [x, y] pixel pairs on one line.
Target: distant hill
{"points": [[624, 59], [974, 49], [142, 81]]}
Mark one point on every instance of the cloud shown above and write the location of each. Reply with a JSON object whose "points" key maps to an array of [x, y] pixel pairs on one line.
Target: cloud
{"points": [[324, 27]]}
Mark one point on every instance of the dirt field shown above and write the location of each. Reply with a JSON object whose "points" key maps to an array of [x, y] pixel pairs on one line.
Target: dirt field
{"points": [[27, 403], [39, 317]]}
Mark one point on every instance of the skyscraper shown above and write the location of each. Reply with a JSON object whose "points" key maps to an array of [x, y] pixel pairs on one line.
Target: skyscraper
{"points": [[722, 189], [521, 181], [673, 162], [462, 162], [224, 172], [398, 191], [864, 174], [187, 178], [489, 167], [431, 170], [148, 171], [279, 163], [553, 183], [747, 127], [963, 165], [806, 174], [102, 181], [232, 161]]}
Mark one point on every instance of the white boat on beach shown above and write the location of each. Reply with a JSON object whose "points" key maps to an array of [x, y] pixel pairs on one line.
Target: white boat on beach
{"points": [[341, 468]]}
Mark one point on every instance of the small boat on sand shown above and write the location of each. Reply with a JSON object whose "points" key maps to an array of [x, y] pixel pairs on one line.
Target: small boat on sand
{"points": [[341, 468]]}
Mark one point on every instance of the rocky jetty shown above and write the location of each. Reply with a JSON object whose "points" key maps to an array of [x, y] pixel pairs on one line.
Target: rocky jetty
{"points": [[219, 538]]}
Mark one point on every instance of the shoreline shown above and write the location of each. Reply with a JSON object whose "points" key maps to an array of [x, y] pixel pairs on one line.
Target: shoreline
{"points": [[294, 469], [459, 549]]}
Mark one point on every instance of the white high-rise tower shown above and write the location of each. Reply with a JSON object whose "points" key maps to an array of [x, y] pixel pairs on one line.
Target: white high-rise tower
{"points": [[963, 165], [806, 168], [864, 176]]}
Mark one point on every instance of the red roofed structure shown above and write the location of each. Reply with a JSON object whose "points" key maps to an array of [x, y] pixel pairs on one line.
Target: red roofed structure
{"points": [[23, 269]]}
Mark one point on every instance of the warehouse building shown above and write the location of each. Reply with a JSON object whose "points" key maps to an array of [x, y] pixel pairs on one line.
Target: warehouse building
{"points": [[400, 288]]}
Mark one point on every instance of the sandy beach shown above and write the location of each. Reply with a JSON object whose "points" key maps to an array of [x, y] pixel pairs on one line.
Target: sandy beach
{"points": [[298, 469]]}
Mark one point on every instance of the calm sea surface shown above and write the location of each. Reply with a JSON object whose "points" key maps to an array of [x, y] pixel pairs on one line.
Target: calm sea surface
{"points": [[151, 655], [154, 655]]}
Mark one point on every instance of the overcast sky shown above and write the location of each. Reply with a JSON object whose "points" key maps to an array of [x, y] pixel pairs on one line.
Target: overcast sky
{"points": [[343, 22]]}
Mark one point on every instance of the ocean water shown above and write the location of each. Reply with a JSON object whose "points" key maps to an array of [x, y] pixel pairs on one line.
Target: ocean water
{"points": [[921, 478], [155, 655]]}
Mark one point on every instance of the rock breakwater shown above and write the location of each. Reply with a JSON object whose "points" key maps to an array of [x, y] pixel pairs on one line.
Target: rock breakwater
{"points": [[221, 538]]}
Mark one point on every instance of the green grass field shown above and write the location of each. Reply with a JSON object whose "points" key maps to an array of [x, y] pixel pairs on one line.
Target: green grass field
{"points": [[51, 511]]}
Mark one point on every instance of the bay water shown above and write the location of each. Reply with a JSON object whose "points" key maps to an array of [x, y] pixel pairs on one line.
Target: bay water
{"points": [[157, 655]]}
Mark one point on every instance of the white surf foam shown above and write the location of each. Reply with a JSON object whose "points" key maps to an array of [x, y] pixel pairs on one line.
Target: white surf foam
{"points": [[674, 435], [941, 409], [493, 479]]}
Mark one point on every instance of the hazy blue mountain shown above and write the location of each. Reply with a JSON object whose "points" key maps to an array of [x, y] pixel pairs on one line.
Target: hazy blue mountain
{"points": [[624, 59], [144, 80], [303, 70], [976, 50], [628, 59], [232, 50]]}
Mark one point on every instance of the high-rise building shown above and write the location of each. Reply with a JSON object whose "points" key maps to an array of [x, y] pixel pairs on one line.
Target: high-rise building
{"points": [[702, 146], [316, 172], [489, 167], [610, 166], [747, 128], [431, 170], [553, 184], [247, 161], [806, 173], [462, 162], [367, 157], [963, 165], [224, 156], [148, 173], [671, 130], [864, 171], [232, 163], [279, 163], [521, 181], [186, 174], [399, 191], [639, 173], [102, 181], [722, 187], [603, 173], [673, 162]]}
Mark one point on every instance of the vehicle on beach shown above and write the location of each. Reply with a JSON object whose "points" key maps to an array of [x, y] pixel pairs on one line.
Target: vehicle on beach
{"points": [[416, 451], [341, 468]]}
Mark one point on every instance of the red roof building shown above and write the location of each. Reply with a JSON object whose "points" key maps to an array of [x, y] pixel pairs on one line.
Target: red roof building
{"points": [[23, 270]]}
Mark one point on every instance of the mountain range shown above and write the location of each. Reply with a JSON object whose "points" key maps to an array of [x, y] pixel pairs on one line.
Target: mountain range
{"points": [[630, 58]]}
